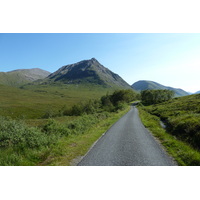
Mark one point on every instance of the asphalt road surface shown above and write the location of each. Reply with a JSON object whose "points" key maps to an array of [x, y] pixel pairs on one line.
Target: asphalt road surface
{"points": [[127, 143]]}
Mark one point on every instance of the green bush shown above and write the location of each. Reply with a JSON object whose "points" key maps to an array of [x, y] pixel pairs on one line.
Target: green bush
{"points": [[122, 96], [80, 125], [120, 106], [108, 103], [156, 96], [15, 133], [54, 128], [117, 100]]}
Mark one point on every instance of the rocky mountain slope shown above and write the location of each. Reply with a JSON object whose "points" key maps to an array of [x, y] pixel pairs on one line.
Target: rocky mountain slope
{"points": [[87, 72]]}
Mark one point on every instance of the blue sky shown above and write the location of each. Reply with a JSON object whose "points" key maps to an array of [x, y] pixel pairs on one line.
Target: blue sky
{"points": [[169, 59]]}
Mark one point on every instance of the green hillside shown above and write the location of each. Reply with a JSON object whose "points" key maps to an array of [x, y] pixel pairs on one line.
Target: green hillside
{"points": [[17, 78], [182, 117], [150, 85], [176, 124]]}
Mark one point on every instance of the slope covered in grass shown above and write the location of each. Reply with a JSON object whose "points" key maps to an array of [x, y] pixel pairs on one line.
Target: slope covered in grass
{"points": [[151, 85], [183, 153], [38, 101], [182, 117], [20, 77]]}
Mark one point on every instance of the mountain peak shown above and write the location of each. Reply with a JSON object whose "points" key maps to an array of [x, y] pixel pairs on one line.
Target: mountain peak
{"points": [[94, 59], [87, 71], [91, 61]]}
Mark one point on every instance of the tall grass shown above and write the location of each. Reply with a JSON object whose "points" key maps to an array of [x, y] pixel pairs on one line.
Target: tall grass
{"points": [[24, 145], [182, 152], [182, 117], [43, 101], [70, 149]]}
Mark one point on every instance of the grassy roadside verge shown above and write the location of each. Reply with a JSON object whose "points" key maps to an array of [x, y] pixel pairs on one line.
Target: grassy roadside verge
{"points": [[68, 150], [184, 154], [55, 142]]}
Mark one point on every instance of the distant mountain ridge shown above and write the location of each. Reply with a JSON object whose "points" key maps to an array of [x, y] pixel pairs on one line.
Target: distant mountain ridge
{"points": [[87, 71], [150, 85], [22, 76]]}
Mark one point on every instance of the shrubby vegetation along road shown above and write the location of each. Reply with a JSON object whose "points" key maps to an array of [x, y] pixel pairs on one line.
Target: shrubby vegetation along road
{"points": [[127, 143]]}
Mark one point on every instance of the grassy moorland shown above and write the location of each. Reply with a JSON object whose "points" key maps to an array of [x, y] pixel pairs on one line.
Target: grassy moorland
{"points": [[39, 101], [59, 138], [182, 135]]}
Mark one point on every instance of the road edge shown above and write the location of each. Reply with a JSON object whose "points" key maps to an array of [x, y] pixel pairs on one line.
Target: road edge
{"points": [[77, 160]]}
